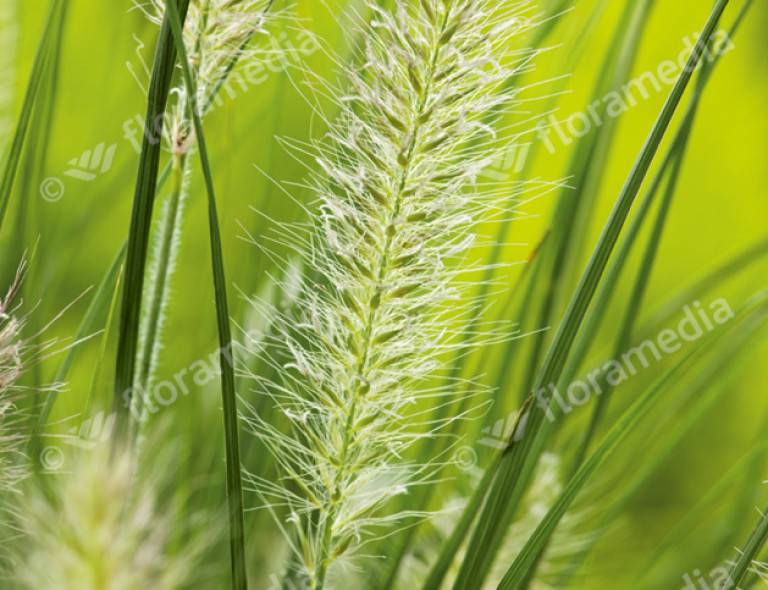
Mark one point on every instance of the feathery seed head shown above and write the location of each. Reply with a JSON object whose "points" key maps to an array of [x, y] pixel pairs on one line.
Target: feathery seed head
{"points": [[102, 529], [217, 36], [398, 199], [12, 354]]}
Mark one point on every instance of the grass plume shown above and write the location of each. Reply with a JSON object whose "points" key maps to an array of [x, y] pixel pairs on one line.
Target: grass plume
{"points": [[12, 352], [398, 198], [101, 529]]}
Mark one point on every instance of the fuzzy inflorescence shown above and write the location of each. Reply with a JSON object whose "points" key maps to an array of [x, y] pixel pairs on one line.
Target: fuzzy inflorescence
{"points": [[99, 528], [12, 354], [399, 199], [218, 35]]}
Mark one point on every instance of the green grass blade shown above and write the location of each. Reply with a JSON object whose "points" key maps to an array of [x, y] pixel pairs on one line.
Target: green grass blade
{"points": [[39, 69], [587, 167], [89, 325], [592, 158], [674, 161], [98, 368], [141, 219], [702, 509], [234, 476], [732, 266], [698, 398], [626, 330], [509, 486], [34, 156], [527, 557], [163, 238], [451, 547], [608, 286]]}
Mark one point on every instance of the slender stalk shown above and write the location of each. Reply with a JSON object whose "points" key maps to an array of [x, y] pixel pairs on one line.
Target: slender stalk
{"points": [[231, 430], [172, 214], [159, 285], [749, 554]]}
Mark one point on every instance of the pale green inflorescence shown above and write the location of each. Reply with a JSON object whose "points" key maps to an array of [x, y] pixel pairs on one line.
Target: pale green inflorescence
{"points": [[13, 467], [400, 195], [218, 36], [99, 528]]}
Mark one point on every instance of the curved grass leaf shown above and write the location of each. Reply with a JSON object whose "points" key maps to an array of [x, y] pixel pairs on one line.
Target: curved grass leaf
{"points": [[586, 168], [673, 539], [164, 236], [674, 160], [234, 476], [89, 325], [702, 397], [34, 155], [510, 483], [519, 570], [439, 570], [732, 266]]}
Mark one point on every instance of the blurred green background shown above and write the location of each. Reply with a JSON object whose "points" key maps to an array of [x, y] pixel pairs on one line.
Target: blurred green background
{"points": [[721, 207]]}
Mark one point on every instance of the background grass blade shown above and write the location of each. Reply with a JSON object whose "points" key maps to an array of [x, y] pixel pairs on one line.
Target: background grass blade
{"points": [[587, 168], [674, 161], [692, 403], [94, 316], [26, 227], [519, 570], [510, 483], [39, 69], [231, 430]]}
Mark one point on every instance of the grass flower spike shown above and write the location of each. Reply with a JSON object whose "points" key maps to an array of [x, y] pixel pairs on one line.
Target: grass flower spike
{"points": [[101, 530], [399, 198], [217, 36], [12, 470]]}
